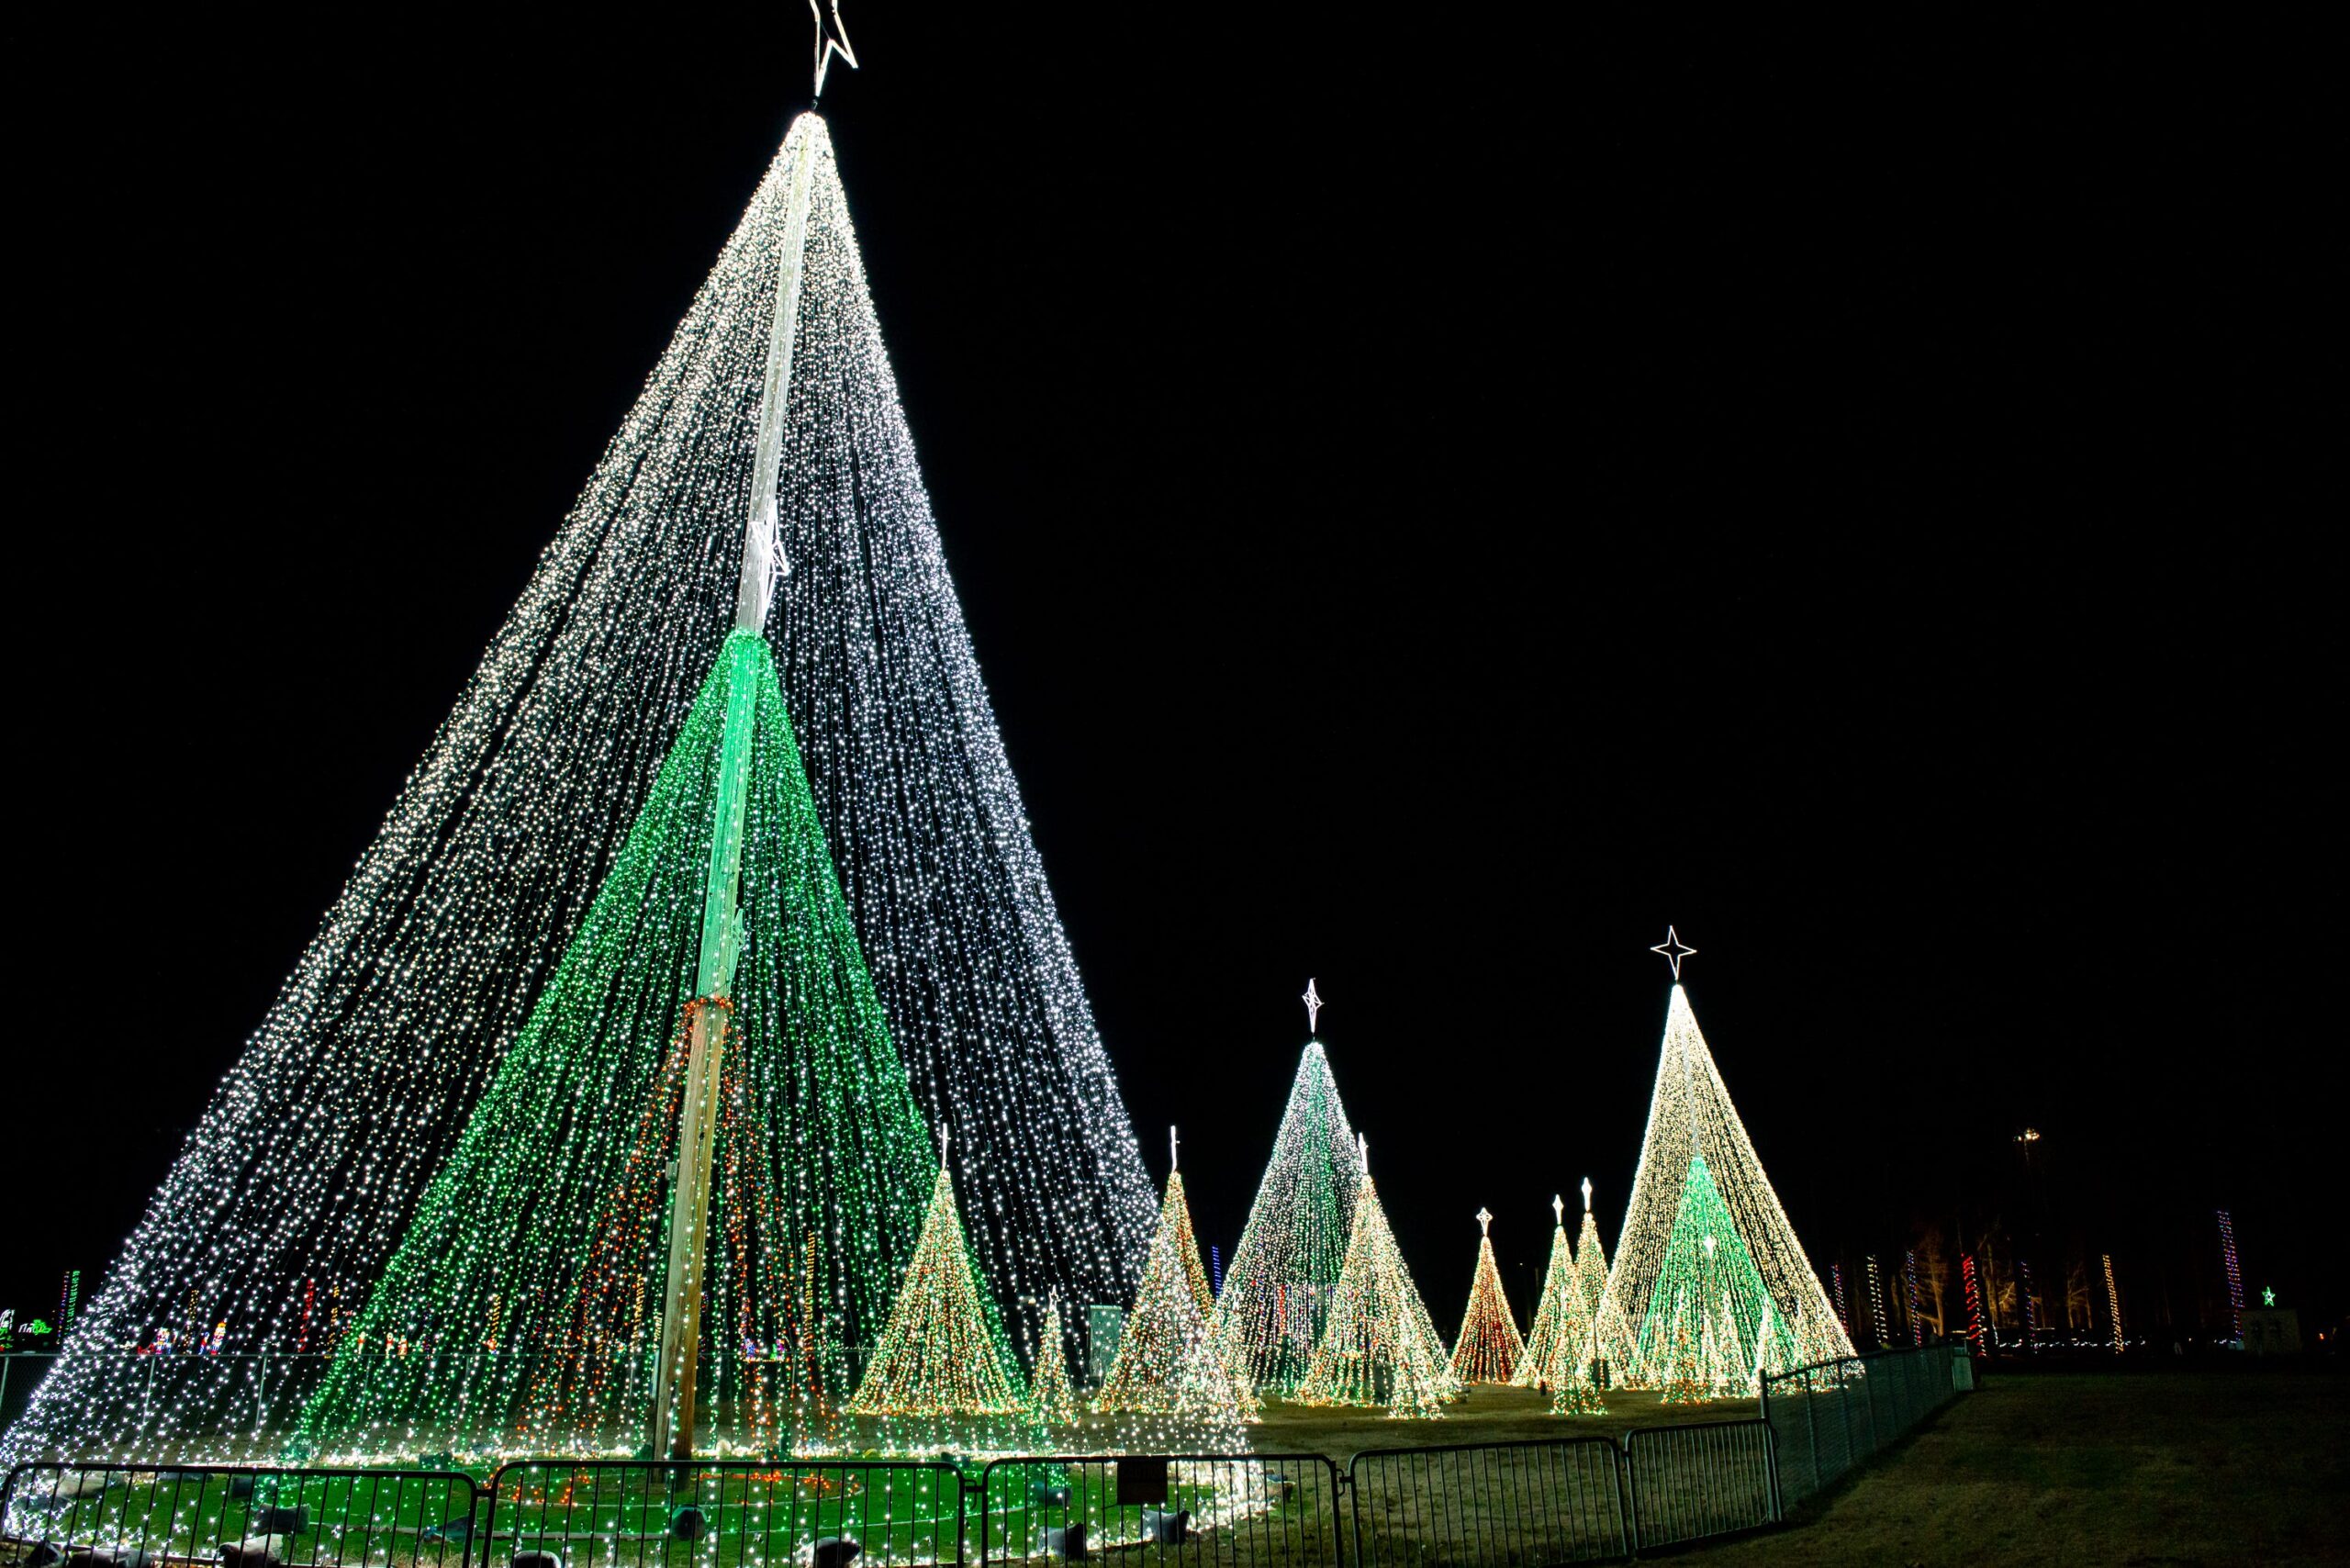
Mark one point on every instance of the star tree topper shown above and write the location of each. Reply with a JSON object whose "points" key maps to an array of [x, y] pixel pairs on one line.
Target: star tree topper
{"points": [[1674, 952], [832, 39], [1484, 1221], [1312, 1007], [1586, 1195], [1558, 1208]]}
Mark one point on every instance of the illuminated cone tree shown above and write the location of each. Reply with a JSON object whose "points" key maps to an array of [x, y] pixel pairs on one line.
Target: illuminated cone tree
{"points": [[1167, 1364], [533, 1293], [1690, 1118], [1277, 1290], [1050, 1397], [1175, 1217], [941, 1360], [1709, 1301], [1554, 1345], [774, 401], [1607, 1337], [1380, 1347], [1489, 1347]]}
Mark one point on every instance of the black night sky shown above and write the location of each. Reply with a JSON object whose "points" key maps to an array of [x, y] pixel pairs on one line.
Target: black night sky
{"points": [[1434, 504]]}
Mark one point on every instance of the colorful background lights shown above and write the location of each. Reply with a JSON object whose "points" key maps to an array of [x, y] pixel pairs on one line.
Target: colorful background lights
{"points": [[2235, 1275]]}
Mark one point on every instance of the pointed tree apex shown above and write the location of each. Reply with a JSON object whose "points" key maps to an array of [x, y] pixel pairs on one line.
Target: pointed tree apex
{"points": [[1484, 1221]]}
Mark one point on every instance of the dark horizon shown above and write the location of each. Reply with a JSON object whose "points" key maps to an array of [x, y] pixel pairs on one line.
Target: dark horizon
{"points": [[1853, 503]]}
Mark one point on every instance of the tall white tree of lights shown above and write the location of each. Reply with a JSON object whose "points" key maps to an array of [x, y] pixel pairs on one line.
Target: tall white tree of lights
{"points": [[1278, 1291], [1690, 1114], [308, 1166]]}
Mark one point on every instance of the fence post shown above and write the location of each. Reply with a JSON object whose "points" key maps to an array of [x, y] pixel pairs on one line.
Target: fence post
{"points": [[1811, 1426], [1844, 1408], [1868, 1396], [1631, 1492]]}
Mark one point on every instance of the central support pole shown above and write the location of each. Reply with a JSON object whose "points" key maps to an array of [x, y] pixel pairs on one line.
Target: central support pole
{"points": [[722, 921]]}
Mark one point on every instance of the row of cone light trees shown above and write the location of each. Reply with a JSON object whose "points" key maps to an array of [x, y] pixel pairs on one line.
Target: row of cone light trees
{"points": [[1709, 1293]]}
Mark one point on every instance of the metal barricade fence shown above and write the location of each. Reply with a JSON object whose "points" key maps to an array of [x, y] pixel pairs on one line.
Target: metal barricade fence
{"points": [[1205, 1509], [185, 1514], [1519, 1505], [1708, 1478], [1827, 1417], [724, 1513]]}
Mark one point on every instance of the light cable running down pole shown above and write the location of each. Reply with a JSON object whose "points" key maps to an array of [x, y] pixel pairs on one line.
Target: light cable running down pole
{"points": [[721, 920]]}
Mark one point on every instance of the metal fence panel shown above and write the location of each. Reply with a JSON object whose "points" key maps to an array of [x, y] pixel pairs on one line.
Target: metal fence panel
{"points": [[1205, 1509], [1511, 1505], [723, 1514], [1827, 1419], [204, 1513], [1709, 1478]]}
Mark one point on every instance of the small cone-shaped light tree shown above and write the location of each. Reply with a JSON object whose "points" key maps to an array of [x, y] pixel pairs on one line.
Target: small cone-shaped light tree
{"points": [[941, 1353], [1575, 1395], [1684, 1378], [1554, 1345], [1489, 1347], [1166, 1363], [1606, 1336], [1176, 1211], [1691, 1117], [1707, 1269], [1049, 1397], [1380, 1346], [1277, 1289]]}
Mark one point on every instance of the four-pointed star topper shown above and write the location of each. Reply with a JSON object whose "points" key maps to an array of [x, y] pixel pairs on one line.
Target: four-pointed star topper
{"points": [[832, 39], [1674, 952]]}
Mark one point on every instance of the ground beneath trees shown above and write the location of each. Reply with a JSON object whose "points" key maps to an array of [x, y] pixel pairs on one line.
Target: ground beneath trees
{"points": [[2244, 1466], [1485, 1414]]}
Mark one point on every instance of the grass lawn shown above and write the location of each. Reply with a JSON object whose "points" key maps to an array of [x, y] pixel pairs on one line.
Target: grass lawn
{"points": [[1485, 1414], [2123, 1469]]}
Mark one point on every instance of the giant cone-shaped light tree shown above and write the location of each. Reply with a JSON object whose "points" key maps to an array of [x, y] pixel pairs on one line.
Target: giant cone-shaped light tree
{"points": [[284, 1208], [1691, 1115], [1277, 1289], [1488, 1347], [1380, 1346], [1555, 1343]]}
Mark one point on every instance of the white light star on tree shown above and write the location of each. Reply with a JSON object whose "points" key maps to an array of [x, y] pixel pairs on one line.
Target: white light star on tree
{"points": [[1313, 1008], [1674, 952], [832, 39]]}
